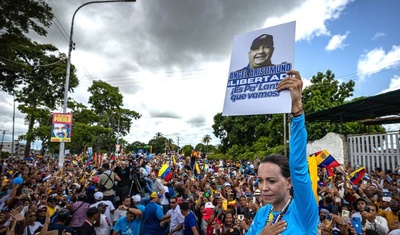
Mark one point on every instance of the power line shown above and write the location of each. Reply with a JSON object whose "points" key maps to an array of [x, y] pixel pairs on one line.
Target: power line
{"points": [[66, 39], [42, 65], [127, 79], [87, 73], [66, 34], [372, 72], [189, 75]]}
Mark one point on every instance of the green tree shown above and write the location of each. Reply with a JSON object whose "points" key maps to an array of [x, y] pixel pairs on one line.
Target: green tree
{"points": [[132, 147], [200, 147], [16, 20], [159, 143], [206, 140], [169, 144], [246, 136], [187, 150], [240, 130], [325, 92], [43, 88], [83, 128], [107, 102]]}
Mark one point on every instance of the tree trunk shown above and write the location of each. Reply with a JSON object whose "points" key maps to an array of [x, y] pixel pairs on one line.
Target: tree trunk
{"points": [[29, 137]]}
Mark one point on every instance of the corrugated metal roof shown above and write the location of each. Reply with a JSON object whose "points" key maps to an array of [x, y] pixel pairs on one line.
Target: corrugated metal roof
{"points": [[369, 108]]}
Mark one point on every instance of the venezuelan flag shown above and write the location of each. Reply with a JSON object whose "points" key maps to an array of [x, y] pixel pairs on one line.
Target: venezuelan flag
{"points": [[174, 160], [112, 157], [313, 170], [356, 175], [165, 172], [327, 161], [197, 168], [89, 160]]}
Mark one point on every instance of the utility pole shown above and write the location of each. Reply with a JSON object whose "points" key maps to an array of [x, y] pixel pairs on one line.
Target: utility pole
{"points": [[178, 145], [71, 46], [2, 141], [13, 130]]}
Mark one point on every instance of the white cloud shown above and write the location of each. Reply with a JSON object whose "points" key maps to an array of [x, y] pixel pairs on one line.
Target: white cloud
{"points": [[311, 17], [336, 42], [394, 84], [377, 60], [378, 35], [171, 58]]}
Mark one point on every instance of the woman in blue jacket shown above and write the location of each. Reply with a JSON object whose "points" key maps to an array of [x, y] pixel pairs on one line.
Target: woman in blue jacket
{"points": [[285, 183]]}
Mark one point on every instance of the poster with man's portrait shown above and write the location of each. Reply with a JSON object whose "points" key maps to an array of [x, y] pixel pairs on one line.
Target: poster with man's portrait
{"points": [[61, 128], [259, 61]]}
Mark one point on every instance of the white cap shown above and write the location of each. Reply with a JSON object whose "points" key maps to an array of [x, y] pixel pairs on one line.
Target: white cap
{"points": [[209, 205], [227, 184], [98, 195], [386, 199], [136, 198]]}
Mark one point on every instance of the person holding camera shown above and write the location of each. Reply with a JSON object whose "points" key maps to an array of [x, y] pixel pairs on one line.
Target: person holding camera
{"points": [[373, 221]]}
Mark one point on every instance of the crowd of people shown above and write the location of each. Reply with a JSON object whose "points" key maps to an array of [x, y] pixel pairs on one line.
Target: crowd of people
{"points": [[133, 194]]}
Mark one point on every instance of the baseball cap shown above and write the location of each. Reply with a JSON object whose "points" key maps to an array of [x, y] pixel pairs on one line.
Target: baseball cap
{"points": [[136, 198], [263, 39], [101, 204], [209, 205], [386, 199], [41, 207], [207, 213], [257, 192], [98, 195], [52, 199], [155, 194], [226, 184]]}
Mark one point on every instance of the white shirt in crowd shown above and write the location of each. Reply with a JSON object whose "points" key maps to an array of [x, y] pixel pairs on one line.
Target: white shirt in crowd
{"points": [[380, 225], [176, 219], [105, 226], [165, 200], [110, 207]]}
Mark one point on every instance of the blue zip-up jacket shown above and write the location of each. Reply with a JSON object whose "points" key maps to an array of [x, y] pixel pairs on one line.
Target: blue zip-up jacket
{"points": [[302, 215]]}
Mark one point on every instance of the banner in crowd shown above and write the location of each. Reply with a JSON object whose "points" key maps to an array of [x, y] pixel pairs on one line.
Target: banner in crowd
{"points": [[321, 159], [61, 128], [357, 175], [325, 160], [259, 61], [165, 172], [313, 170]]}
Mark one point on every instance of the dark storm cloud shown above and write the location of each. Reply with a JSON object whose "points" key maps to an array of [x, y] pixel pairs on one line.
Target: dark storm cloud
{"points": [[163, 114], [197, 121], [159, 34]]}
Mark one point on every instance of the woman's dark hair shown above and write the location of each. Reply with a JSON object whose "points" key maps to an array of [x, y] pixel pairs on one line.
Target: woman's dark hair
{"points": [[224, 216], [281, 161]]}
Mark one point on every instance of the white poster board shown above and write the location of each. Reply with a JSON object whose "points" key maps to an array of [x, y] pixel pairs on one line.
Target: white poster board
{"points": [[259, 61]]}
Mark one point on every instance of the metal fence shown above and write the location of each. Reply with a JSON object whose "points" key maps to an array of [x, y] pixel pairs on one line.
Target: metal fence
{"points": [[375, 150]]}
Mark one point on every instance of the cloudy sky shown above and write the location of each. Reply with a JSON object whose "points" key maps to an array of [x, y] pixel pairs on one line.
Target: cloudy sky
{"points": [[170, 59]]}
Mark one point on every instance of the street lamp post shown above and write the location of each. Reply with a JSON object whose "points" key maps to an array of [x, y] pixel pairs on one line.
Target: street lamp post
{"points": [[70, 48]]}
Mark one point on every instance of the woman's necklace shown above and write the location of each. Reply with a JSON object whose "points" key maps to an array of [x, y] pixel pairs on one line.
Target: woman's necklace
{"points": [[275, 219]]}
